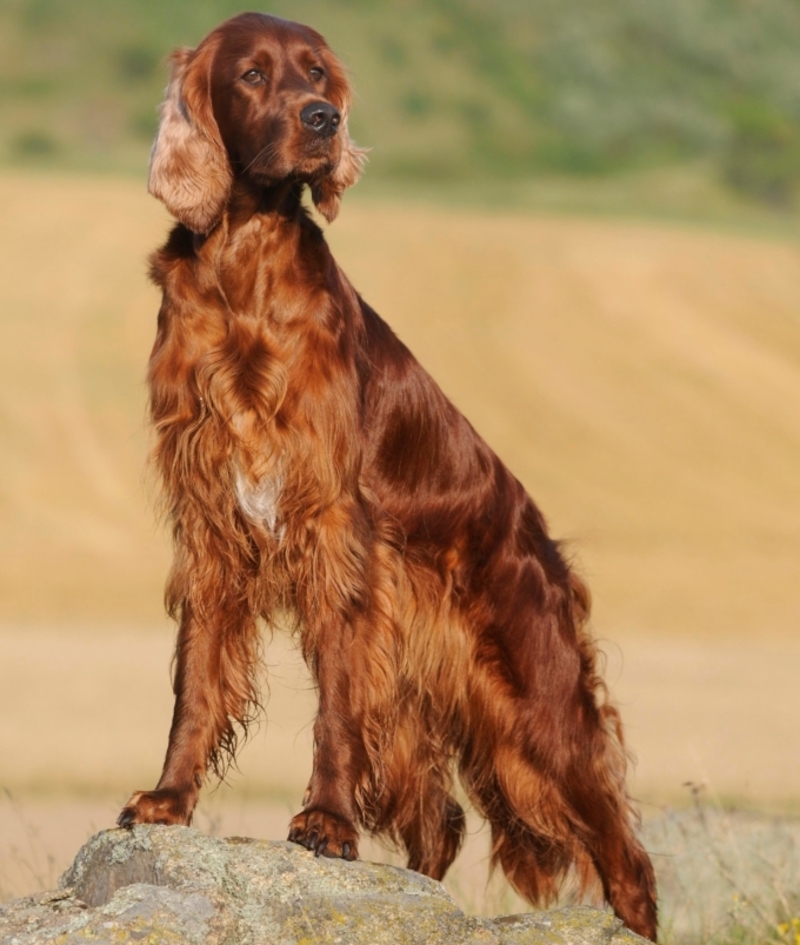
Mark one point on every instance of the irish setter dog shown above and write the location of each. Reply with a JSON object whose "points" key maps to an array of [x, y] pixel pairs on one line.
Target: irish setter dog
{"points": [[311, 466]]}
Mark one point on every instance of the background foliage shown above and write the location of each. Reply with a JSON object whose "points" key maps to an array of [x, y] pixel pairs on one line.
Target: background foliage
{"points": [[447, 89]]}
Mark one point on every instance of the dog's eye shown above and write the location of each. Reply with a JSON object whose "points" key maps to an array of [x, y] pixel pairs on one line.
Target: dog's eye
{"points": [[253, 77], [316, 73]]}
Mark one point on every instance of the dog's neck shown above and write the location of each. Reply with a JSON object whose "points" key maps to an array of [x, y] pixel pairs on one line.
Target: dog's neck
{"points": [[266, 236], [282, 201]]}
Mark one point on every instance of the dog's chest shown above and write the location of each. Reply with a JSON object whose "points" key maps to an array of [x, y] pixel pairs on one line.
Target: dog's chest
{"points": [[260, 501]]}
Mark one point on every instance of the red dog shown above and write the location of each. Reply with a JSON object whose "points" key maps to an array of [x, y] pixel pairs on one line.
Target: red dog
{"points": [[310, 464]]}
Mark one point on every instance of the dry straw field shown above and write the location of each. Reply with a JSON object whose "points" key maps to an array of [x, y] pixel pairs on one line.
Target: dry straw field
{"points": [[643, 381]]}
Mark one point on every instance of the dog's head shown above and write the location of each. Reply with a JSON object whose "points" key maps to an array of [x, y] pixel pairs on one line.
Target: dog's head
{"points": [[259, 97]]}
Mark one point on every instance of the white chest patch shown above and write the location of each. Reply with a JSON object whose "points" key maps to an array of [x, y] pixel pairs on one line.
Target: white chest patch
{"points": [[259, 501]]}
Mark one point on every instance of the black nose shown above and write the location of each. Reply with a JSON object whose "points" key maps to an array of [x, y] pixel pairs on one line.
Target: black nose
{"points": [[321, 117]]}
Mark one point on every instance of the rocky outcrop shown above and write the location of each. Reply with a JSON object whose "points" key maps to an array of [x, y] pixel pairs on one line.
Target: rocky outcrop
{"points": [[165, 885]]}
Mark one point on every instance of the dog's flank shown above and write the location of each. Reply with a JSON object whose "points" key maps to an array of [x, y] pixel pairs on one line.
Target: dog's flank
{"points": [[308, 462]]}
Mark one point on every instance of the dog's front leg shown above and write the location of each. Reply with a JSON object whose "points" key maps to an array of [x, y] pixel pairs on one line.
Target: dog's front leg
{"points": [[211, 692], [326, 824]]}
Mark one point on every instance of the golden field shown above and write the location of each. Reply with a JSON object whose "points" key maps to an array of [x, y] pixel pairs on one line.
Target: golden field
{"points": [[642, 380]]}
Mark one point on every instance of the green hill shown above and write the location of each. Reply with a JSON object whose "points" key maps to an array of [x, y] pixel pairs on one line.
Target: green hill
{"points": [[447, 89]]}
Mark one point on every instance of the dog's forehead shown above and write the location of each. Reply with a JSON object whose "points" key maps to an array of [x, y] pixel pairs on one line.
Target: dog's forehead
{"points": [[252, 33]]}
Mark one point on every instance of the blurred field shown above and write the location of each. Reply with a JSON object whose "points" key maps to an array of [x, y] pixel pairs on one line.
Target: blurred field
{"points": [[643, 382]]}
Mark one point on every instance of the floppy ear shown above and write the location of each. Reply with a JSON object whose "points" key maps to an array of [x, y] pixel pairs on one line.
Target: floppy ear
{"points": [[327, 191], [189, 167]]}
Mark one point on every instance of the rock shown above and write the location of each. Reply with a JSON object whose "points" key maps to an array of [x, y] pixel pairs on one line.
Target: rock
{"points": [[162, 885]]}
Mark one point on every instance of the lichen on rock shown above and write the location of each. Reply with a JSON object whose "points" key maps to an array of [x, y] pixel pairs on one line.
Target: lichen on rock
{"points": [[165, 885]]}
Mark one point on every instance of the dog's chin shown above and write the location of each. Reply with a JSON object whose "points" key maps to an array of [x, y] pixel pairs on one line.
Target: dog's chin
{"points": [[312, 167], [306, 169]]}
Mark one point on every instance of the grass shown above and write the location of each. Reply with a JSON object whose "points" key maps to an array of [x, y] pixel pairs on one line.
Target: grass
{"points": [[726, 877], [25, 863], [686, 195], [451, 90]]}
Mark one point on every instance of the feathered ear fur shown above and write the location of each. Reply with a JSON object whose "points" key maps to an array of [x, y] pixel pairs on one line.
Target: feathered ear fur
{"points": [[189, 167], [327, 191]]}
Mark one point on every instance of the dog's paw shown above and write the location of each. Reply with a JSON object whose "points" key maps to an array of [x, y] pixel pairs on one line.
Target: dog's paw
{"points": [[165, 806], [325, 834]]}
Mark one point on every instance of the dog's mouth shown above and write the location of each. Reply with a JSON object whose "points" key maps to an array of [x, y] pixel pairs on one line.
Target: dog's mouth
{"points": [[313, 161], [318, 158]]}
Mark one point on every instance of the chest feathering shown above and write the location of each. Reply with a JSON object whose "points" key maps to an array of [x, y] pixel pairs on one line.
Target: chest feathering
{"points": [[259, 501]]}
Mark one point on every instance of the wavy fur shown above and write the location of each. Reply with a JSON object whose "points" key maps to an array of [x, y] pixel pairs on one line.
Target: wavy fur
{"points": [[310, 464]]}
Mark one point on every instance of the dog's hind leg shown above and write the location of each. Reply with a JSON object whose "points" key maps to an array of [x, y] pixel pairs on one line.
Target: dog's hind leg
{"points": [[549, 826], [545, 761], [416, 806]]}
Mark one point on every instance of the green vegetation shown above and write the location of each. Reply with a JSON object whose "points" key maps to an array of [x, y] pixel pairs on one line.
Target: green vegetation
{"points": [[447, 90]]}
